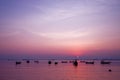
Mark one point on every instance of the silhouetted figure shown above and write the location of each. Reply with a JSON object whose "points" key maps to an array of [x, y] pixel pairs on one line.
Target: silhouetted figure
{"points": [[109, 70], [18, 62], [75, 63], [56, 63], [27, 61], [49, 62]]}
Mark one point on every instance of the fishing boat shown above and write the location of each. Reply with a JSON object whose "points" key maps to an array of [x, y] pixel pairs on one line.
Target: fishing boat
{"points": [[18, 62], [75, 63], [105, 62], [89, 62], [49, 62]]}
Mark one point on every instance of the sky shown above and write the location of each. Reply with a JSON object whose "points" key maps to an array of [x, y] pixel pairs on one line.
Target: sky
{"points": [[54, 28]]}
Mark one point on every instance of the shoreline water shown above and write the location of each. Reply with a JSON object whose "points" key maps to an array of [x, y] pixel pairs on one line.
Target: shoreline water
{"points": [[62, 71]]}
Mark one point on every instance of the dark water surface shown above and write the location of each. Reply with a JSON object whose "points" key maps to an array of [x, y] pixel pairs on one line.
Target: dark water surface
{"points": [[62, 71]]}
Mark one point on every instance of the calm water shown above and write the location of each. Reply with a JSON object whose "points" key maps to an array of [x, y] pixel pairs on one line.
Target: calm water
{"points": [[63, 71]]}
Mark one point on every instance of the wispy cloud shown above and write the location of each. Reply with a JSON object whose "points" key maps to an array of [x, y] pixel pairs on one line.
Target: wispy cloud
{"points": [[62, 35]]}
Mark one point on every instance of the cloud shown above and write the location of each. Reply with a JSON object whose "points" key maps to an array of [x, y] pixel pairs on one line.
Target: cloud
{"points": [[75, 10], [61, 35]]}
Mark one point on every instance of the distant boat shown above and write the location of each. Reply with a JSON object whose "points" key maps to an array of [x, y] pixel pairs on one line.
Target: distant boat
{"points": [[27, 61], [105, 62], [18, 62], [90, 62], [56, 63], [49, 62], [75, 63], [109, 70]]}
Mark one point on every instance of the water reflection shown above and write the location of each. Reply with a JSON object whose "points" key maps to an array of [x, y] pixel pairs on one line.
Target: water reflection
{"points": [[67, 71]]}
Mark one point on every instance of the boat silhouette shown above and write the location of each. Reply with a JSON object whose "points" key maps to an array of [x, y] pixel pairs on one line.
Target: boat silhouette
{"points": [[105, 62], [75, 63], [90, 62]]}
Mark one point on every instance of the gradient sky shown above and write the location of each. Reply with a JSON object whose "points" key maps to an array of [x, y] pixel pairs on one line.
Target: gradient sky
{"points": [[60, 27]]}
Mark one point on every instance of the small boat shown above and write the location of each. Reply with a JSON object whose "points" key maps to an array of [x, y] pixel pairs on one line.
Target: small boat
{"points": [[90, 62], [18, 62], [56, 63], [75, 63], [27, 61], [49, 62], [109, 70], [105, 62]]}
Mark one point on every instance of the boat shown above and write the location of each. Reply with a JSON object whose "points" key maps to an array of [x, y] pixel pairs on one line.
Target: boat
{"points": [[27, 61], [56, 63], [75, 63], [49, 62], [89, 62], [105, 62], [18, 62]]}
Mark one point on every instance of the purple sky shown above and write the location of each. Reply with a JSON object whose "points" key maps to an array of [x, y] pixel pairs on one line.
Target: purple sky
{"points": [[60, 27]]}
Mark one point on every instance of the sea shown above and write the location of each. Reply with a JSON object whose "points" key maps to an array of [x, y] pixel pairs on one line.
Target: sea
{"points": [[41, 70]]}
